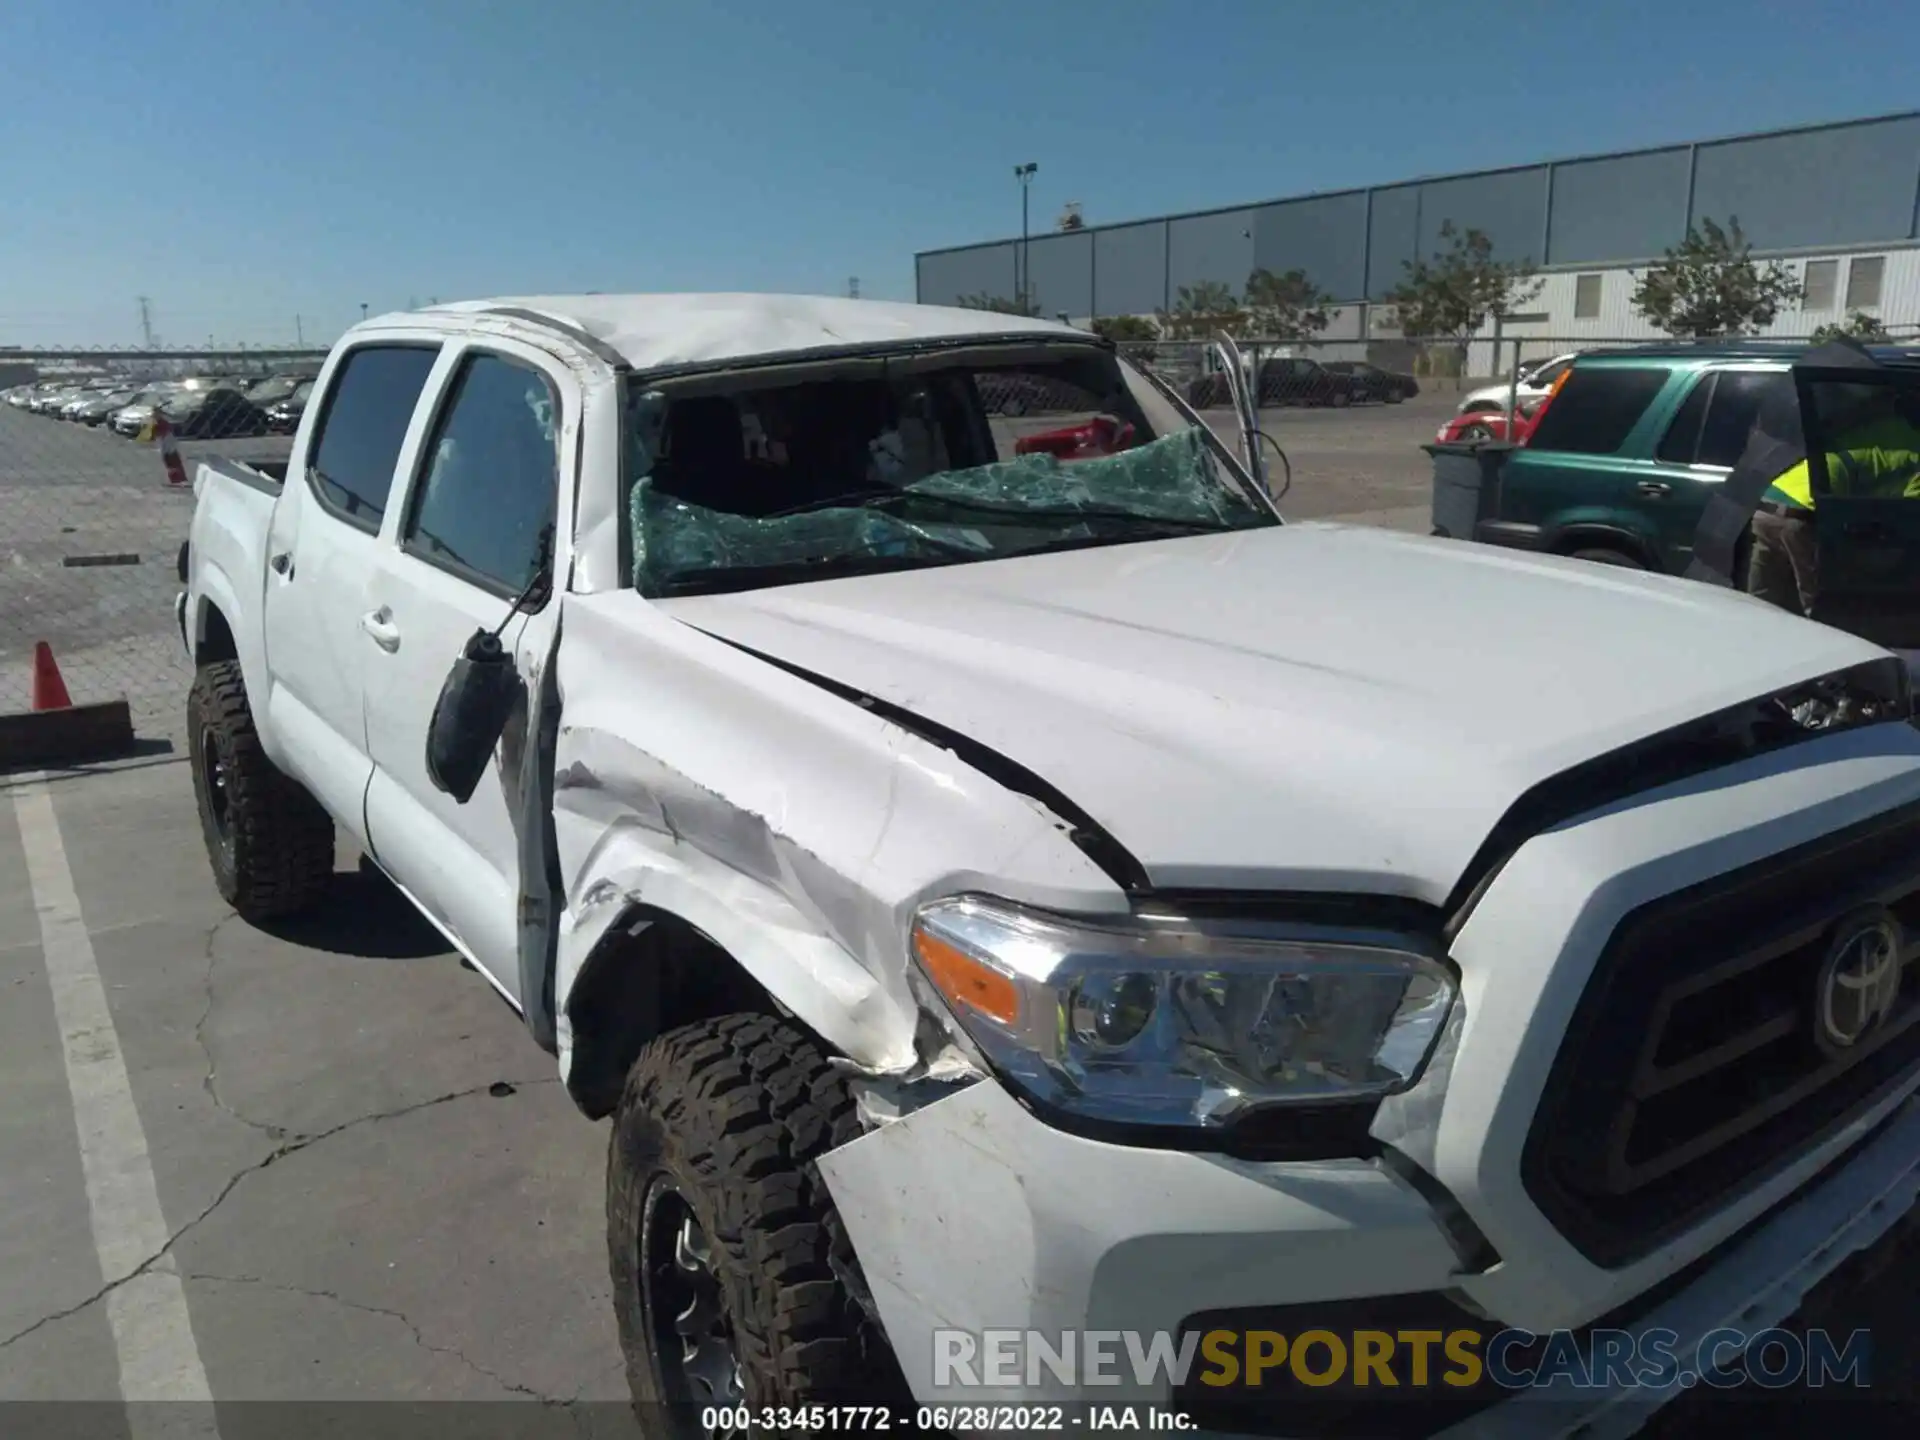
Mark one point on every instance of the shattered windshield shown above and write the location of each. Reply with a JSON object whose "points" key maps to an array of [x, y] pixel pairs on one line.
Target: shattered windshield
{"points": [[785, 476]]}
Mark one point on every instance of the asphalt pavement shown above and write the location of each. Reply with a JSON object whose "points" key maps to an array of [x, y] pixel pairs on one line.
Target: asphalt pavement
{"points": [[322, 1163]]}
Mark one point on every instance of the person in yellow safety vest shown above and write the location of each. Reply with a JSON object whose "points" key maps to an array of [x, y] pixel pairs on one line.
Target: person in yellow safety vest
{"points": [[1880, 458]]}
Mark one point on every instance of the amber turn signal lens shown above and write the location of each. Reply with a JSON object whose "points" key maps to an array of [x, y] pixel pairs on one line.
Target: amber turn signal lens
{"points": [[964, 980]]}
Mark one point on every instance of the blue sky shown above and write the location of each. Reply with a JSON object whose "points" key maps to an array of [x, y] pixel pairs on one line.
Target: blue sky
{"points": [[246, 163]]}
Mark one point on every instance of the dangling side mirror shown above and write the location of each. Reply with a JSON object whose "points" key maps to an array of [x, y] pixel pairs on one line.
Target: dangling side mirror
{"points": [[470, 715]]}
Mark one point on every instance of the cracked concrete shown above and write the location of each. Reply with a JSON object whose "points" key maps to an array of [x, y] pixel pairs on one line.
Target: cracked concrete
{"points": [[375, 1185], [291, 1147], [413, 1329]]}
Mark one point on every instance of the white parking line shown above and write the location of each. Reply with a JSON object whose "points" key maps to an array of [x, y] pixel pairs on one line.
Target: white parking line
{"points": [[152, 1331]]}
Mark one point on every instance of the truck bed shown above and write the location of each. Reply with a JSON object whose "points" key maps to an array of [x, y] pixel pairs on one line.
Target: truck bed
{"points": [[267, 475]]}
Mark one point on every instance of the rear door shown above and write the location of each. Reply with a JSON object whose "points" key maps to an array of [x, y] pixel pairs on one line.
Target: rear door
{"points": [[321, 549], [1869, 543], [1698, 450]]}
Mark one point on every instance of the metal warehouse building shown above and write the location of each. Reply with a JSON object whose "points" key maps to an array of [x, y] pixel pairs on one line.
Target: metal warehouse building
{"points": [[1839, 204]]}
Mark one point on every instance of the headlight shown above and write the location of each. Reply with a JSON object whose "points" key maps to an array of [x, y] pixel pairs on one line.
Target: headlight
{"points": [[1169, 1023]]}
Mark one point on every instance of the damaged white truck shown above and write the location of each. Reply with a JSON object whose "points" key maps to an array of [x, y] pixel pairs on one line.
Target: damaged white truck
{"points": [[1000, 878]]}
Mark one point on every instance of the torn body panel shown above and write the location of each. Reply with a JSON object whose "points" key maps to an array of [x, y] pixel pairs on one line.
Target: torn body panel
{"points": [[792, 828]]}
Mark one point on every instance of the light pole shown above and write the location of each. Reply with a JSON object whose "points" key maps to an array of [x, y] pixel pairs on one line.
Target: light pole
{"points": [[1021, 277]]}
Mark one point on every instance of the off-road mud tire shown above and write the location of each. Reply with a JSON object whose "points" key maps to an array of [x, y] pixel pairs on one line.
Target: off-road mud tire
{"points": [[732, 1113], [272, 855]]}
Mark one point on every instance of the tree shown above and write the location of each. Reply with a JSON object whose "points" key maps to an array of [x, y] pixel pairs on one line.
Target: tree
{"points": [[1286, 307], [1203, 310], [1857, 326], [1126, 329], [1708, 285], [998, 304], [1456, 292], [1136, 332]]}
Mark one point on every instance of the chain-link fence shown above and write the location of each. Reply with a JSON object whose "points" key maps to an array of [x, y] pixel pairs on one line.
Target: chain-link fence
{"points": [[90, 529]]}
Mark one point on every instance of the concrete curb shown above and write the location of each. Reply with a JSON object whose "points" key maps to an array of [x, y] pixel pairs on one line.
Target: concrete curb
{"points": [[72, 736]]}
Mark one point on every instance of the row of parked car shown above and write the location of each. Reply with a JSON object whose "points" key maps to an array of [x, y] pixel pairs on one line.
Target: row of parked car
{"points": [[1296, 380], [206, 407]]}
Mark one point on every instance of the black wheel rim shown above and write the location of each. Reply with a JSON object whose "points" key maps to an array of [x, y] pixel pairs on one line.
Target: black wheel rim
{"points": [[686, 1311], [219, 795]]}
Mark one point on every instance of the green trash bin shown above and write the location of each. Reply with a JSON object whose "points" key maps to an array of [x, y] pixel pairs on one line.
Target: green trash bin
{"points": [[1466, 486]]}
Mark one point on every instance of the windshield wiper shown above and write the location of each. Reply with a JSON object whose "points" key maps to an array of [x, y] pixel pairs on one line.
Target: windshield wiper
{"points": [[1053, 514]]}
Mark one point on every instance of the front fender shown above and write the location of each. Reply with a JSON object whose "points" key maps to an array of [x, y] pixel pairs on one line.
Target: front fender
{"points": [[785, 952]]}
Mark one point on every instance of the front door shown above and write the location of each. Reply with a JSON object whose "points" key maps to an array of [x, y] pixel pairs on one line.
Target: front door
{"points": [[321, 552], [476, 532], [1862, 430]]}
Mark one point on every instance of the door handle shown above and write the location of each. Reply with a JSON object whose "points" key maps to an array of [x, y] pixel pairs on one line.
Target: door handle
{"points": [[283, 564], [1870, 530], [1654, 489], [379, 624]]}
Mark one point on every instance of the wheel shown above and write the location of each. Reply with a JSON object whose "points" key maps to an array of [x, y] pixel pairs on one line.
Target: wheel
{"points": [[1604, 555], [268, 840], [733, 1280], [1393, 397], [1341, 399], [1473, 434]]}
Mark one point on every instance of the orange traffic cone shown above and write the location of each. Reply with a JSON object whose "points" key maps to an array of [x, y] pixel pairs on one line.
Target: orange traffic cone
{"points": [[169, 455], [49, 690]]}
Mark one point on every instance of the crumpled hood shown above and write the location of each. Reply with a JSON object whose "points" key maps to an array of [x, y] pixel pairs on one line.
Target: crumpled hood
{"points": [[1311, 707]]}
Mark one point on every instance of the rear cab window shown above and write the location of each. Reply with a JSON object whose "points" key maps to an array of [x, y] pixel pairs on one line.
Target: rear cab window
{"points": [[356, 448], [1597, 408]]}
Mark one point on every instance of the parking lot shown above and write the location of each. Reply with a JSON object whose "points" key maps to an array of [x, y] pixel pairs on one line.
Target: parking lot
{"points": [[323, 1162]]}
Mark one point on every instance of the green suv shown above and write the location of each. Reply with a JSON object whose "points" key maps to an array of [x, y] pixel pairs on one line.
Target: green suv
{"points": [[1622, 461]]}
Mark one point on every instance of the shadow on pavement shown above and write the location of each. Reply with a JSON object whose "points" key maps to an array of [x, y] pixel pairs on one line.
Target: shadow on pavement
{"points": [[364, 916]]}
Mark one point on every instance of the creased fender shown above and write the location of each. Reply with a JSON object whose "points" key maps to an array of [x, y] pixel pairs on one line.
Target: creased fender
{"points": [[796, 830]]}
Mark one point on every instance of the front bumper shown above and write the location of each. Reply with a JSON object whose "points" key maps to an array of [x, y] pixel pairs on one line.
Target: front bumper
{"points": [[971, 1217]]}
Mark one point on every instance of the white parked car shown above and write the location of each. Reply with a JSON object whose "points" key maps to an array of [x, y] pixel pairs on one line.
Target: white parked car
{"points": [[992, 890], [1536, 380]]}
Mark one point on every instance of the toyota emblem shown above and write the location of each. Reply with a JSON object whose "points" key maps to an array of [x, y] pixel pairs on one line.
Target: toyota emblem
{"points": [[1859, 983]]}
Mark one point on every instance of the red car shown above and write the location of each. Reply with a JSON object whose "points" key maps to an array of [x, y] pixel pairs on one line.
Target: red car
{"points": [[1480, 427]]}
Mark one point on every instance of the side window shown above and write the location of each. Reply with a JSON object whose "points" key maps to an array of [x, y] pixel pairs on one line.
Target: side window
{"points": [[490, 475], [1682, 440], [368, 409], [1736, 404], [1597, 408]]}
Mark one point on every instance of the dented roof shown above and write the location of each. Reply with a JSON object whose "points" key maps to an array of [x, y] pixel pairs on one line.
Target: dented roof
{"points": [[653, 331]]}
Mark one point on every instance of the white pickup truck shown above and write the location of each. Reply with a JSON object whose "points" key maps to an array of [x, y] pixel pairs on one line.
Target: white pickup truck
{"points": [[999, 882]]}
